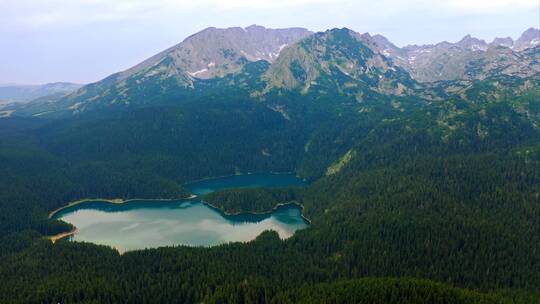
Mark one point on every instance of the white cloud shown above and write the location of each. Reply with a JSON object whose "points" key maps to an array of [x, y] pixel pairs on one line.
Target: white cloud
{"points": [[258, 4], [37, 13], [60, 13], [491, 6]]}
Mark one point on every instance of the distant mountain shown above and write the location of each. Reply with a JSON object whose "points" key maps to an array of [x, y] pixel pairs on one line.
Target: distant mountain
{"points": [[25, 93], [529, 39], [472, 44], [215, 52], [469, 58], [506, 42]]}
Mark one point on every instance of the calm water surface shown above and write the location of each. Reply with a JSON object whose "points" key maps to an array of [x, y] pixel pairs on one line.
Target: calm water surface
{"points": [[149, 224]]}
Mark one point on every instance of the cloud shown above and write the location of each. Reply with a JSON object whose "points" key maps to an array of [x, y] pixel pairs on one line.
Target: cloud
{"points": [[61, 13], [38, 13], [255, 4], [491, 6]]}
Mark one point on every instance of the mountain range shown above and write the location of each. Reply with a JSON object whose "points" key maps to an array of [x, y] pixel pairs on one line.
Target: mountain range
{"points": [[296, 58], [25, 93], [469, 58]]}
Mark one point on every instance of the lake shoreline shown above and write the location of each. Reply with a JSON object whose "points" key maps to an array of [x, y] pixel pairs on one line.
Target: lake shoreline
{"points": [[57, 237], [115, 201], [240, 174], [62, 235]]}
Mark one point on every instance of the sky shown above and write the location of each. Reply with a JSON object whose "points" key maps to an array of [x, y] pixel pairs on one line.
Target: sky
{"points": [[84, 41]]}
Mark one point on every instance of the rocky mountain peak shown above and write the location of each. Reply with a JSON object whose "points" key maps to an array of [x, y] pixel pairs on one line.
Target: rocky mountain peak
{"points": [[215, 52], [468, 58], [473, 44], [505, 42], [530, 38], [337, 59], [530, 33]]}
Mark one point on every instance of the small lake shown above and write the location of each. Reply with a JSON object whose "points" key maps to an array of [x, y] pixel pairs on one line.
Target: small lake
{"points": [[148, 224]]}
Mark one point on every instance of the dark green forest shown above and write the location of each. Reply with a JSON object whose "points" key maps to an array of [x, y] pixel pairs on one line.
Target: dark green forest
{"points": [[257, 200]]}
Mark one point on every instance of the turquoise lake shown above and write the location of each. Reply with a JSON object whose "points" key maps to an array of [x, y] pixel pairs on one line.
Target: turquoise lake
{"points": [[149, 224]]}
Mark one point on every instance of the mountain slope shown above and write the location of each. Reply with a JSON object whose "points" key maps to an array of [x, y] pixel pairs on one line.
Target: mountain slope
{"points": [[211, 53], [215, 52], [336, 59]]}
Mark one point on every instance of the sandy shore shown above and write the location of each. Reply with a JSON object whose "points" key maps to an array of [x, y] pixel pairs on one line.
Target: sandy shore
{"points": [[62, 235]]}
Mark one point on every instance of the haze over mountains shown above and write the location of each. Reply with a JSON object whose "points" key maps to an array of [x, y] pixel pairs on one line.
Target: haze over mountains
{"points": [[25, 93]]}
